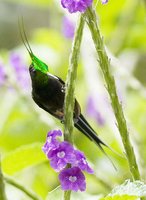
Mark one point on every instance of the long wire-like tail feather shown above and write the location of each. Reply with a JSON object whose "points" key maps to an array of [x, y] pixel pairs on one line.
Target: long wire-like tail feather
{"points": [[87, 130]]}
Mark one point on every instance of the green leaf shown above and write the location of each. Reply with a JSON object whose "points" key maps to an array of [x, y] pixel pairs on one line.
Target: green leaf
{"points": [[117, 197], [128, 190], [23, 157], [57, 193], [136, 188]]}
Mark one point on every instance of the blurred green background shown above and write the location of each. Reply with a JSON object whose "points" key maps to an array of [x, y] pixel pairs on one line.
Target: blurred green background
{"points": [[24, 126]]}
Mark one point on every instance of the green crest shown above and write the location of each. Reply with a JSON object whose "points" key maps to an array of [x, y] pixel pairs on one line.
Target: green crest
{"points": [[38, 64]]}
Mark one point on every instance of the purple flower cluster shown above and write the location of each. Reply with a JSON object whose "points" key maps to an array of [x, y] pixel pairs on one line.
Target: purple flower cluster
{"points": [[68, 28], [2, 74], [21, 70], [78, 5], [60, 155], [94, 111]]}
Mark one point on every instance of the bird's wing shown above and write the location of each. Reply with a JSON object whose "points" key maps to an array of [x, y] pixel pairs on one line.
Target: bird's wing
{"points": [[77, 108], [57, 114]]}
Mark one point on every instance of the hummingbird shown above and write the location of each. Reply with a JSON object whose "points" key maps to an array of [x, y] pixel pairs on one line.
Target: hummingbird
{"points": [[48, 92]]}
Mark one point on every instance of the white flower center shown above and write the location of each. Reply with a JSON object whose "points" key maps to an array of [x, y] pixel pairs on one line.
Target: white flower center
{"points": [[61, 154], [72, 178], [49, 139]]}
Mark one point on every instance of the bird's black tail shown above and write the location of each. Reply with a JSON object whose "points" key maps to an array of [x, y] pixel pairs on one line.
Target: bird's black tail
{"points": [[83, 126]]}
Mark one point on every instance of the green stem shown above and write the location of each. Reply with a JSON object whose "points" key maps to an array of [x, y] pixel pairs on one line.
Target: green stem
{"points": [[67, 195], [29, 193], [70, 87], [71, 79], [104, 63], [2, 186]]}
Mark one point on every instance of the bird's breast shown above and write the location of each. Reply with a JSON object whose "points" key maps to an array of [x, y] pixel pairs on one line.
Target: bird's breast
{"points": [[50, 95]]}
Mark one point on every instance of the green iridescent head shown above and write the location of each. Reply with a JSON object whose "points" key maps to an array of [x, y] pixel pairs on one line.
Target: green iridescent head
{"points": [[36, 62]]}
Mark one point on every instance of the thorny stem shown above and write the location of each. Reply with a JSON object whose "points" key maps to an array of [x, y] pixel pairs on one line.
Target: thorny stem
{"points": [[70, 87], [70, 81], [104, 63], [26, 191], [2, 187]]}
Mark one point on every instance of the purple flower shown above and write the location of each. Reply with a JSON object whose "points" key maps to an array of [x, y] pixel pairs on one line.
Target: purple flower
{"points": [[54, 133], [76, 5], [104, 1], [51, 142], [62, 153], [72, 179], [81, 162], [2, 74], [68, 28], [22, 74], [61, 156], [92, 110]]}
